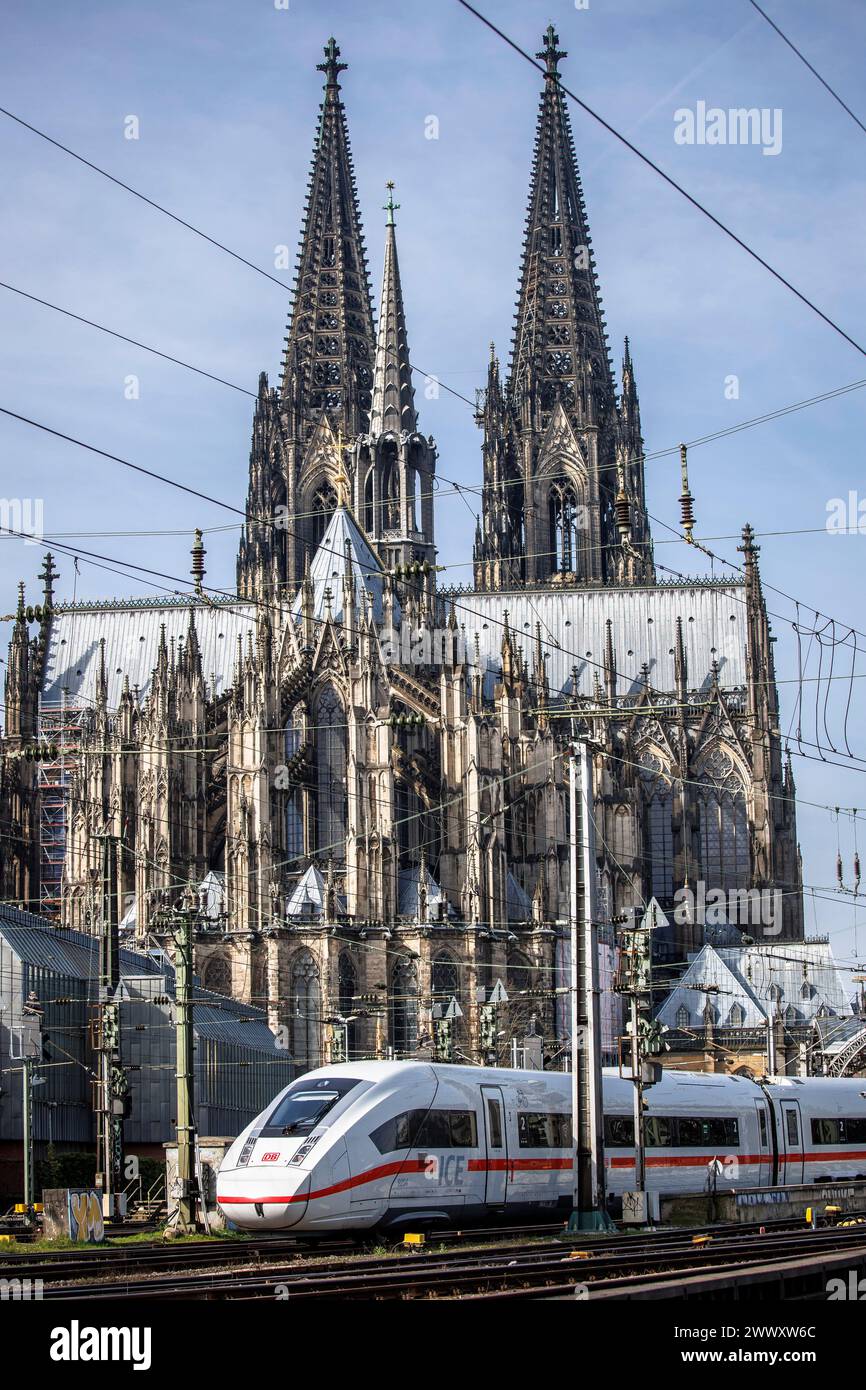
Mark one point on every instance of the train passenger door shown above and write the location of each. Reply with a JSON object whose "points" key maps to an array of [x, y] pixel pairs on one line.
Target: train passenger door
{"points": [[496, 1142], [791, 1145], [765, 1164]]}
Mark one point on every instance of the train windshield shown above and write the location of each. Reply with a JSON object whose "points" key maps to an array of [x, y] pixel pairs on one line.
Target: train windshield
{"points": [[305, 1105]]}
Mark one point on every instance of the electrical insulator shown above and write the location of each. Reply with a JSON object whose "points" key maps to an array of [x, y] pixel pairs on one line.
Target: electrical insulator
{"points": [[856, 872], [622, 510], [687, 516], [839, 878]]}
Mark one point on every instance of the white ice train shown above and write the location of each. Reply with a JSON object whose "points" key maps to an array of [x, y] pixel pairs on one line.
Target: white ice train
{"points": [[370, 1144]]}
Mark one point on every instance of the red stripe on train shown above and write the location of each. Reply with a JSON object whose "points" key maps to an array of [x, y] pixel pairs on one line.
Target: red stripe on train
{"points": [[526, 1165]]}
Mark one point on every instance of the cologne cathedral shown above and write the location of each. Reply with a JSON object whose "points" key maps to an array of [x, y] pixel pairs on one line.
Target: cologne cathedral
{"points": [[363, 773]]}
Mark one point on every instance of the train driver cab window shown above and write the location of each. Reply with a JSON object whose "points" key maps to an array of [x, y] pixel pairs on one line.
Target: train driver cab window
{"points": [[494, 1123], [305, 1105], [792, 1129]]}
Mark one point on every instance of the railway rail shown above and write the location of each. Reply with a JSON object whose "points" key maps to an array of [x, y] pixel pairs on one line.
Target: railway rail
{"points": [[605, 1269], [158, 1256]]}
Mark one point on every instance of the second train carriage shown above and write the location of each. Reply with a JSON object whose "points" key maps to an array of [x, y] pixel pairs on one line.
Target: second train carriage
{"points": [[370, 1144]]}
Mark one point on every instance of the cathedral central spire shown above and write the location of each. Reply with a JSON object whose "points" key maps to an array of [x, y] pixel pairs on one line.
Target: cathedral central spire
{"points": [[393, 406]]}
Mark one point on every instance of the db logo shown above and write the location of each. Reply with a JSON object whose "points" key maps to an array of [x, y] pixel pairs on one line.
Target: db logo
{"points": [[270, 1158]]}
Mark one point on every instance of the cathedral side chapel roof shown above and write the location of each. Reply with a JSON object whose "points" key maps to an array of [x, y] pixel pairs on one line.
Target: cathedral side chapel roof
{"points": [[328, 569], [644, 624], [131, 631]]}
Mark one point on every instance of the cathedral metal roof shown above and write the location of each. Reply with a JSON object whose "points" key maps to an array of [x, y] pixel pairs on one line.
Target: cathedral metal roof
{"points": [[643, 628], [131, 633], [328, 569]]}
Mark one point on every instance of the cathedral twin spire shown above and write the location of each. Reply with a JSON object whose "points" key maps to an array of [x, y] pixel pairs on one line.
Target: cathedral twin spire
{"points": [[560, 348], [328, 362], [563, 468]]}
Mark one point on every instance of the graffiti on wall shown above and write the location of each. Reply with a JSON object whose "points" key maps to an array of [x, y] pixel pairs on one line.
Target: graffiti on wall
{"points": [[85, 1216]]}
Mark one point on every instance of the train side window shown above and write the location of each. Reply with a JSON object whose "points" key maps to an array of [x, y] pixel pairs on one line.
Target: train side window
{"points": [[689, 1132], [792, 1129], [494, 1123], [447, 1129], [658, 1132], [762, 1122], [618, 1132], [542, 1129], [463, 1129], [732, 1131], [854, 1131], [826, 1131], [433, 1129]]}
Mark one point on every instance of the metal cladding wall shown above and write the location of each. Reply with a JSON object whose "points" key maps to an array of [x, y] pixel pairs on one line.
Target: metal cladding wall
{"points": [[239, 1067]]}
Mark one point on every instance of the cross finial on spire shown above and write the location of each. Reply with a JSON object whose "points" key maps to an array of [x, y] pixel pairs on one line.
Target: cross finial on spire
{"points": [[551, 52], [390, 207], [332, 67]]}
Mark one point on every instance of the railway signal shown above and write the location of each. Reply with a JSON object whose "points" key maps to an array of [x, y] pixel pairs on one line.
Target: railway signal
{"points": [[645, 1035]]}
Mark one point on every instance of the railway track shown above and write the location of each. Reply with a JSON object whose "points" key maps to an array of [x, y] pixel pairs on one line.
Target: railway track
{"points": [[160, 1256], [62, 1266], [519, 1270]]}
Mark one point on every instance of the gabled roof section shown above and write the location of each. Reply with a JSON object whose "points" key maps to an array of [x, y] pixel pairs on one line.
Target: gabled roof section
{"points": [[343, 544], [410, 882], [559, 335], [799, 979], [308, 896], [330, 345]]}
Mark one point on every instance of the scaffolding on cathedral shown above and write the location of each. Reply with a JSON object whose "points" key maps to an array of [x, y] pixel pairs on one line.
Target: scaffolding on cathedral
{"points": [[59, 734]]}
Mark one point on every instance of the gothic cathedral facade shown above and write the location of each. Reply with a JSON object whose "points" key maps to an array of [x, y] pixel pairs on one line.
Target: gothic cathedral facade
{"points": [[363, 773]]}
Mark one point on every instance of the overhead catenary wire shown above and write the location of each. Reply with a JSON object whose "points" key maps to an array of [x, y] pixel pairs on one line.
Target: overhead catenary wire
{"points": [[668, 179], [805, 61]]}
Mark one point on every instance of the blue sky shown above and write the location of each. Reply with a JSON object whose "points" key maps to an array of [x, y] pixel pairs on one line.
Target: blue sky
{"points": [[226, 98]]}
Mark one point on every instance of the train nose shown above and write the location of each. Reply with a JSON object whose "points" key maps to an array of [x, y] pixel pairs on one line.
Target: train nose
{"points": [[259, 1198]]}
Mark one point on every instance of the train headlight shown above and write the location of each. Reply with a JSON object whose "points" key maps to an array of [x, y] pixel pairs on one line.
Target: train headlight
{"points": [[300, 1154], [247, 1150]]}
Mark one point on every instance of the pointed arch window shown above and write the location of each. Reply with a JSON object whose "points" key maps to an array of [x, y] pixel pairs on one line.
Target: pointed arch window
{"points": [[391, 494], [658, 837], [737, 1016], [305, 1008], [293, 740], [445, 978], [331, 767], [404, 1009], [682, 1018], [323, 507], [564, 528], [369, 507], [724, 824], [348, 988], [218, 975]]}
